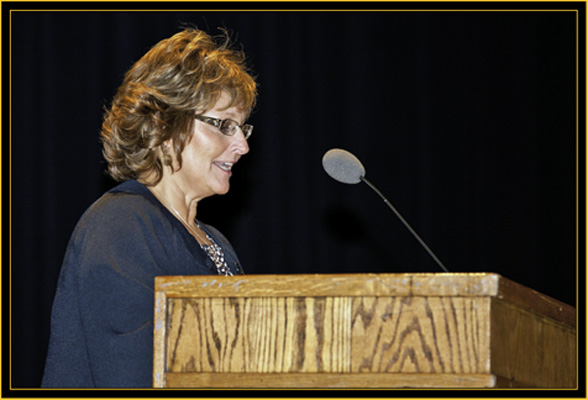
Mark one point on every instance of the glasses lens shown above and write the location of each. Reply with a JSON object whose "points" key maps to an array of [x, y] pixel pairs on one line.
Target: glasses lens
{"points": [[247, 131], [228, 127]]}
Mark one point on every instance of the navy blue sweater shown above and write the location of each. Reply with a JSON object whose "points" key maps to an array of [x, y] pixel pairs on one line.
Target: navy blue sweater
{"points": [[102, 317]]}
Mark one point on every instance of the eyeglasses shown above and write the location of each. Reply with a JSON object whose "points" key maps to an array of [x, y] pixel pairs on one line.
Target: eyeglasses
{"points": [[227, 126]]}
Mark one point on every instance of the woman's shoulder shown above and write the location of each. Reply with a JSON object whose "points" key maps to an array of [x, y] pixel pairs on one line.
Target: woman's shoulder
{"points": [[122, 208], [128, 195]]}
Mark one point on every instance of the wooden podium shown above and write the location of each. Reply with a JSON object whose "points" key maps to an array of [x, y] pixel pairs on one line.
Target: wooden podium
{"points": [[471, 330]]}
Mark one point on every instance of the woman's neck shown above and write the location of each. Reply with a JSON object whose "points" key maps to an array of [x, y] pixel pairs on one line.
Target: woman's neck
{"points": [[183, 209], [175, 199]]}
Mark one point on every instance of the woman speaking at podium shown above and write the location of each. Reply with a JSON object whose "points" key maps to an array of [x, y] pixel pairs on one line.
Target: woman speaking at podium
{"points": [[176, 128]]}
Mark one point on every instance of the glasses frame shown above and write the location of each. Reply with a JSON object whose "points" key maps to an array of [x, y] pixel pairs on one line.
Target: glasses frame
{"points": [[247, 129]]}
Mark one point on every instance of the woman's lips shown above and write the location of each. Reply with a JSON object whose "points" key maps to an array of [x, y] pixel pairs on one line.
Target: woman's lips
{"points": [[225, 166]]}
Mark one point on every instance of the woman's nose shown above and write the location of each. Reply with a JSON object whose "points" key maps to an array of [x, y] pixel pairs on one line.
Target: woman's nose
{"points": [[239, 143]]}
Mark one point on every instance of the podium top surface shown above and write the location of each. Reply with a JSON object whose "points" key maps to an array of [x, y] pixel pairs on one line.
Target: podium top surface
{"points": [[366, 285]]}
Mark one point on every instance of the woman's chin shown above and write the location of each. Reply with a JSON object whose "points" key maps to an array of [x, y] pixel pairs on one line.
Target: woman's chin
{"points": [[223, 190]]}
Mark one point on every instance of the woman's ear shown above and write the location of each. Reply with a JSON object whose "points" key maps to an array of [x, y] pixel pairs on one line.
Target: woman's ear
{"points": [[166, 157]]}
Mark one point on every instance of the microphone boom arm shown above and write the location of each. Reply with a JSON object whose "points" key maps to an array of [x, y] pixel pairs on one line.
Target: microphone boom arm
{"points": [[363, 179]]}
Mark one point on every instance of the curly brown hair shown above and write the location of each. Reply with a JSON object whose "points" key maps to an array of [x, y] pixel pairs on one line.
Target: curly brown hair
{"points": [[178, 78]]}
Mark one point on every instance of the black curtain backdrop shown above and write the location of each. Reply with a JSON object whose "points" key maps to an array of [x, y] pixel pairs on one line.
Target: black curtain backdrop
{"points": [[465, 120]]}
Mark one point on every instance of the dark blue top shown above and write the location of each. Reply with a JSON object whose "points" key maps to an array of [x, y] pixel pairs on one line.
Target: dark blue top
{"points": [[102, 318]]}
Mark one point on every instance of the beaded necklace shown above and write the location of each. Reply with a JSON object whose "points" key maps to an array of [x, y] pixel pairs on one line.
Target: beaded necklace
{"points": [[213, 250]]}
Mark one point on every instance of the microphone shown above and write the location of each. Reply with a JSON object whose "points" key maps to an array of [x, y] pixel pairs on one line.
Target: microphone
{"points": [[344, 167]]}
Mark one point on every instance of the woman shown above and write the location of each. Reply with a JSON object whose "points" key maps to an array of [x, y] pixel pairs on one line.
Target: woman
{"points": [[175, 130]]}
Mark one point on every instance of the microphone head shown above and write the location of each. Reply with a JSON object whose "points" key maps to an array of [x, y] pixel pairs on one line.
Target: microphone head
{"points": [[343, 166]]}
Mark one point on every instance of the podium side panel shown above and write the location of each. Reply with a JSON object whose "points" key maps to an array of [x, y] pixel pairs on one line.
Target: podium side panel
{"points": [[529, 349]]}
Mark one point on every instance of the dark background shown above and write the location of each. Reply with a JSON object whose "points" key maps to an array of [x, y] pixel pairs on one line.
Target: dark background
{"points": [[466, 121]]}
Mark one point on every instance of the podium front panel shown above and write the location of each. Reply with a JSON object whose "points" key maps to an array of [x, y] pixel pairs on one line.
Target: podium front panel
{"points": [[357, 331]]}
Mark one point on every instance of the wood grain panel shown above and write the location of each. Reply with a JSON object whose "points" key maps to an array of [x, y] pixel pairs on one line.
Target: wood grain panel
{"points": [[421, 335], [258, 335]]}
